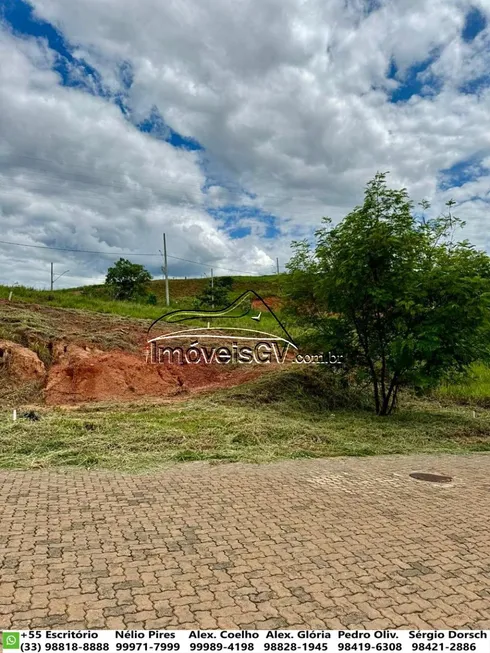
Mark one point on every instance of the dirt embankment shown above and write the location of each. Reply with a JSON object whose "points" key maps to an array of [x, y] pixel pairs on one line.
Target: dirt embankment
{"points": [[75, 357], [81, 375], [275, 303]]}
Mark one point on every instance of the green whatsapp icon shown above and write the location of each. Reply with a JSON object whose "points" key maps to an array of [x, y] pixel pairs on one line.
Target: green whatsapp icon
{"points": [[10, 640]]}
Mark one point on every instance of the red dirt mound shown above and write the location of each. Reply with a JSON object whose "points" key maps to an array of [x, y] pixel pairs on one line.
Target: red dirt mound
{"points": [[20, 363], [99, 376], [82, 375], [96, 357]]}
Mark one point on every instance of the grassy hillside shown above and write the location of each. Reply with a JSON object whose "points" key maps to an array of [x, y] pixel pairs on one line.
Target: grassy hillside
{"points": [[35, 326], [181, 289], [98, 298]]}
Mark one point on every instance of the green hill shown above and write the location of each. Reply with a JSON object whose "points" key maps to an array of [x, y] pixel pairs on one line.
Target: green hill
{"points": [[98, 298]]}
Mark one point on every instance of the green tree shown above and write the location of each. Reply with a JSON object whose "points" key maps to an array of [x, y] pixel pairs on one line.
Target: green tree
{"points": [[127, 280], [226, 282], [394, 293], [215, 295]]}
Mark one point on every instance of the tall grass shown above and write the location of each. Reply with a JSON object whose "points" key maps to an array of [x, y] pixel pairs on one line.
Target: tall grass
{"points": [[82, 301], [473, 388]]}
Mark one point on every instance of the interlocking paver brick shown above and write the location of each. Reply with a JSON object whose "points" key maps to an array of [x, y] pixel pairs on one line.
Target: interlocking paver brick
{"points": [[334, 543]]}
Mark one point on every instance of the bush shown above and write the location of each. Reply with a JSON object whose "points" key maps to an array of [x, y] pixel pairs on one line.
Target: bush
{"points": [[226, 282], [215, 296], [306, 388]]}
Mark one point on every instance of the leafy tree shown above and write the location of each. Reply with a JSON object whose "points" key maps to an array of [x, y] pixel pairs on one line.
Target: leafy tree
{"points": [[216, 295], [127, 280], [226, 282], [393, 293]]}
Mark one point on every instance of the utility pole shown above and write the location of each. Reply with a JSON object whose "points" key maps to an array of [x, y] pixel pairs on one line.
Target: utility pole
{"points": [[165, 270], [277, 265], [212, 289], [52, 275]]}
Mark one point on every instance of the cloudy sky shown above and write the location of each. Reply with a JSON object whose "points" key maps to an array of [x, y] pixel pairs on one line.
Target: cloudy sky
{"points": [[231, 126]]}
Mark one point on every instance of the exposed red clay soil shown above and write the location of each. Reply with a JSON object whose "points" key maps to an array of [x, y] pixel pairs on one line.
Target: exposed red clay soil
{"points": [[97, 357], [82, 376], [273, 302], [20, 363]]}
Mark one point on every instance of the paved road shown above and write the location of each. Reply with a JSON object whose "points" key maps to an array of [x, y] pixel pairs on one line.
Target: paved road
{"points": [[335, 543]]}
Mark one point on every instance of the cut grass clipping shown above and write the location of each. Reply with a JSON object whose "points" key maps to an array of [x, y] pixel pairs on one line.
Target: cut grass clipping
{"points": [[266, 421]]}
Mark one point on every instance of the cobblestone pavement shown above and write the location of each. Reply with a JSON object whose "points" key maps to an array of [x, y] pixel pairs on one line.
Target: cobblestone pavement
{"points": [[335, 543]]}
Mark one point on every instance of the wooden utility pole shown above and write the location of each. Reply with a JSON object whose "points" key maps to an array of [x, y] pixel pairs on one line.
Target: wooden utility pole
{"points": [[212, 289], [52, 279], [165, 270], [277, 265]]}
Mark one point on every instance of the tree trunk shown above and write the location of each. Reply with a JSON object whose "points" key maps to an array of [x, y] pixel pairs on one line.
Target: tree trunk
{"points": [[389, 400], [377, 403]]}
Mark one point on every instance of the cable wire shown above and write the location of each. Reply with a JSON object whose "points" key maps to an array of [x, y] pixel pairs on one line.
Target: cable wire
{"points": [[116, 254]]}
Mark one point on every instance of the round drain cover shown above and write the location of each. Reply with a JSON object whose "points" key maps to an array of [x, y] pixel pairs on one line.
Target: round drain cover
{"points": [[432, 478]]}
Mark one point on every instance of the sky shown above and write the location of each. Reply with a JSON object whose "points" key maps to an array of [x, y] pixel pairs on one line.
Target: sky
{"points": [[232, 127]]}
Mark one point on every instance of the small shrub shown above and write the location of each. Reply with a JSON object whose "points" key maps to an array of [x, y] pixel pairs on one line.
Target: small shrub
{"points": [[226, 282], [304, 389]]}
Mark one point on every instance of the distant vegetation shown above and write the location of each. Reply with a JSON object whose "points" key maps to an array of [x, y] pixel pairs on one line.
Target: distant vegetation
{"points": [[183, 293], [216, 294]]}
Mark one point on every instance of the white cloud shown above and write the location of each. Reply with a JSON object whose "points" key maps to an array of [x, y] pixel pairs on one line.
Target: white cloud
{"points": [[288, 97], [75, 174]]}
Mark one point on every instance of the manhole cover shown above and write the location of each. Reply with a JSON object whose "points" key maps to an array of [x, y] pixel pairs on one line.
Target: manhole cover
{"points": [[432, 478]]}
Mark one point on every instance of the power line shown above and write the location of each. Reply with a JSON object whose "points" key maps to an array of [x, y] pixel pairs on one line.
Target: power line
{"points": [[114, 185], [116, 254], [82, 251]]}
